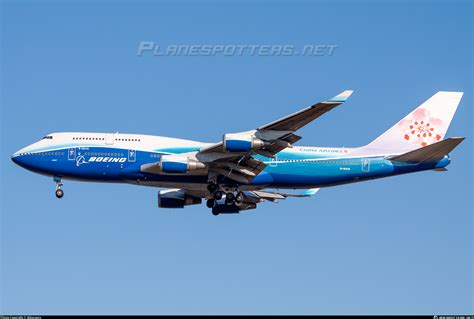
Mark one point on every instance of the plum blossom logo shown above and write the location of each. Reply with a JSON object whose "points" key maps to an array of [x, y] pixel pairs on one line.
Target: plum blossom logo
{"points": [[421, 128]]}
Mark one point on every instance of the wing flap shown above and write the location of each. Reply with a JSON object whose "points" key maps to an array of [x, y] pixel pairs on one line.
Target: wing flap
{"points": [[242, 169]]}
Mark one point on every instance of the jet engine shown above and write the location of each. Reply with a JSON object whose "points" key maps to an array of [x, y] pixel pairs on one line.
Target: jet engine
{"points": [[176, 198], [173, 164], [241, 143]]}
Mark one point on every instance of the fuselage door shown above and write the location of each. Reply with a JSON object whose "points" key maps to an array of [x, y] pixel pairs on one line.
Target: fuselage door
{"points": [[132, 155], [109, 139], [365, 165], [273, 161], [71, 154]]}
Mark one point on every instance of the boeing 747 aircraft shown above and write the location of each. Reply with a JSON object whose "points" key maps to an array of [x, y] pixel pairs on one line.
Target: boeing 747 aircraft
{"points": [[246, 168]]}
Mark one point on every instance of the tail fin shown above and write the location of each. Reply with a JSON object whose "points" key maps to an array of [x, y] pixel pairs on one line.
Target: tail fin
{"points": [[426, 125], [430, 153]]}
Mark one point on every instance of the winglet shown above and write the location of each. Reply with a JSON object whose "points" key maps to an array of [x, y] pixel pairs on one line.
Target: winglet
{"points": [[306, 193], [310, 192], [341, 97]]}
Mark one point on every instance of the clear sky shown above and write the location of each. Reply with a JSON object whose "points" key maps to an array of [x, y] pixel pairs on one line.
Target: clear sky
{"points": [[398, 245]]}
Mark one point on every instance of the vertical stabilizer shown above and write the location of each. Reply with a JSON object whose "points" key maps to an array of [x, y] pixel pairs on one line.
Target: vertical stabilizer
{"points": [[426, 125]]}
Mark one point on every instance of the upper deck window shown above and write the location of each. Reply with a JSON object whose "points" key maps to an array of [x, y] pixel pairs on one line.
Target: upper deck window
{"points": [[47, 137]]}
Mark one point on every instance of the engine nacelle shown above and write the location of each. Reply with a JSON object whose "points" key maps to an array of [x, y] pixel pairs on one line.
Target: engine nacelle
{"points": [[173, 164], [241, 143], [176, 199]]}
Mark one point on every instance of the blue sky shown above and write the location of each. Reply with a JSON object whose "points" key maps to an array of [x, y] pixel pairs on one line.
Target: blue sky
{"points": [[399, 245]]}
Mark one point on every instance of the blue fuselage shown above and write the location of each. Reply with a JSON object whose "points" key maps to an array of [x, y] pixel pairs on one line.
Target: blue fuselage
{"points": [[288, 170]]}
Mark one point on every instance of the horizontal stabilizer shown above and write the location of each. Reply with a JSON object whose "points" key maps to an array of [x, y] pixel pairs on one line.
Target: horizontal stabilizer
{"points": [[431, 153]]}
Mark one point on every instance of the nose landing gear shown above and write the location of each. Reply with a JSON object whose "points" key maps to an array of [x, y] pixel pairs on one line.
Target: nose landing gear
{"points": [[59, 192]]}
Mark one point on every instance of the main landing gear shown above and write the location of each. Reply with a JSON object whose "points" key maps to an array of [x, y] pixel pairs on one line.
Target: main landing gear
{"points": [[215, 211], [233, 199], [59, 192]]}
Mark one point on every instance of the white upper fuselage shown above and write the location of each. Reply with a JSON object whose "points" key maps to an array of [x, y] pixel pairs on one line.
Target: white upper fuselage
{"points": [[111, 140]]}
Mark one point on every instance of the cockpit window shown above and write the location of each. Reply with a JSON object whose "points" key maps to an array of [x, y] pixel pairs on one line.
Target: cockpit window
{"points": [[47, 137]]}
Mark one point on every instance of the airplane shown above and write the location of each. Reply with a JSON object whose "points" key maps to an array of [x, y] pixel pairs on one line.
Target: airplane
{"points": [[246, 168]]}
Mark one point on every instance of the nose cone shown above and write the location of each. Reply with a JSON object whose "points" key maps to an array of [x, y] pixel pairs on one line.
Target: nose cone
{"points": [[18, 159]]}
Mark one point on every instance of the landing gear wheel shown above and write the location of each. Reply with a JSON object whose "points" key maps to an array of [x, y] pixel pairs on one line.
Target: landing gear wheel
{"points": [[212, 187], [239, 199], [218, 195], [210, 203], [229, 198], [215, 211], [59, 193]]}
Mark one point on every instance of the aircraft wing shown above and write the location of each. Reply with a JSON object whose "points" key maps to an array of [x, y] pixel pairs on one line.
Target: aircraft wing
{"points": [[232, 157]]}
